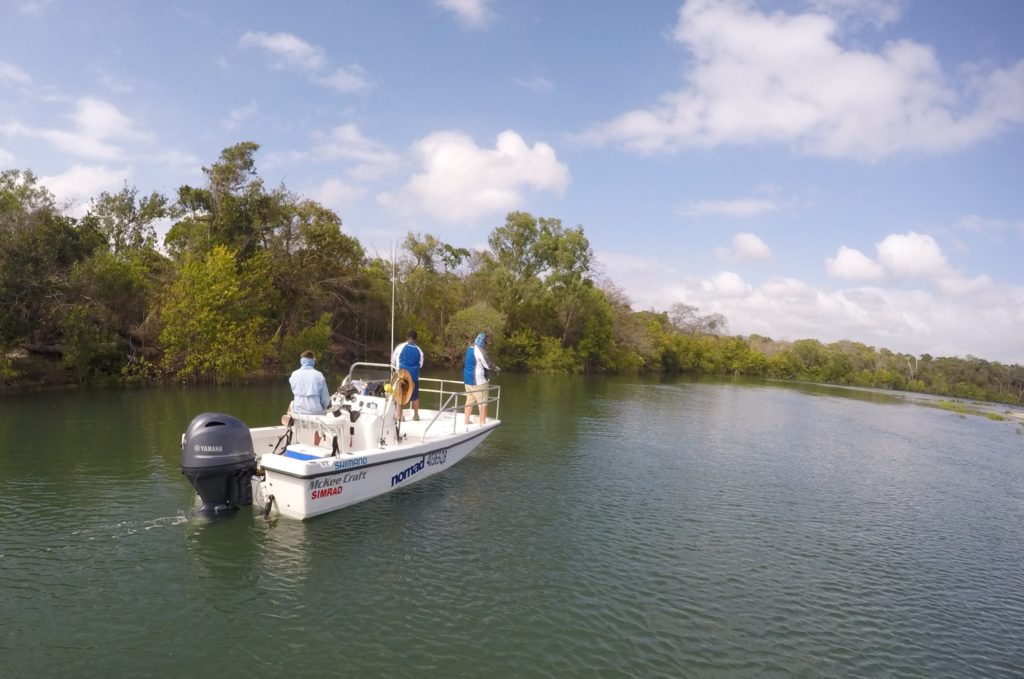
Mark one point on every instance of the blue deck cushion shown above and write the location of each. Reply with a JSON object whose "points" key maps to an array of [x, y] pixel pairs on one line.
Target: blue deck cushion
{"points": [[299, 456]]}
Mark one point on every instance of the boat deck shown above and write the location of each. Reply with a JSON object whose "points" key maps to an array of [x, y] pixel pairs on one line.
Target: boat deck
{"points": [[432, 426], [361, 424]]}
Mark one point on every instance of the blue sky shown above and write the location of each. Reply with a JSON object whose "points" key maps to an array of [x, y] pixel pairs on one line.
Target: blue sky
{"points": [[836, 169]]}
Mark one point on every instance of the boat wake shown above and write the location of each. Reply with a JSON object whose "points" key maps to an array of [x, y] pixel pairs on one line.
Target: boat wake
{"points": [[123, 529]]}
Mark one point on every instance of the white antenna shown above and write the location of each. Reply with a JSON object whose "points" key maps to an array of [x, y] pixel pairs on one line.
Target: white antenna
{"points": [[392, 300]]}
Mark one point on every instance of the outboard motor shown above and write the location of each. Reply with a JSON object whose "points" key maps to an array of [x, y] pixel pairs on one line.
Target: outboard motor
{"points": [[217, 457]]}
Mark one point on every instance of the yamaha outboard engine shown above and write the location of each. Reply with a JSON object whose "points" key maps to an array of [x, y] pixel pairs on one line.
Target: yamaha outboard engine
{"points": [[217, 457]]}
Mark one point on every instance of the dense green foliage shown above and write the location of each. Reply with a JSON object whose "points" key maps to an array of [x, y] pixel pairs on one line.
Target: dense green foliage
{"points": [[248, 277]]}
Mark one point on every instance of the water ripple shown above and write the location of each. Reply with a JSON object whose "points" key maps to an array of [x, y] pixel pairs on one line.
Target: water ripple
{"points": [[654, 530]]}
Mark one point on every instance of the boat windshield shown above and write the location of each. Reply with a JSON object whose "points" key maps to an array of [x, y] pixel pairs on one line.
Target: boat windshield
{"points": [[368, 372]]}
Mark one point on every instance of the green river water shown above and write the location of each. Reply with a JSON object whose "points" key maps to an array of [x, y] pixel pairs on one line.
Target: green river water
{"points": [[612, 527]]}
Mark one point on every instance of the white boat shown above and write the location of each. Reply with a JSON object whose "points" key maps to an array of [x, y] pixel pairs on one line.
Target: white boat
{"points": [[320, 463]]}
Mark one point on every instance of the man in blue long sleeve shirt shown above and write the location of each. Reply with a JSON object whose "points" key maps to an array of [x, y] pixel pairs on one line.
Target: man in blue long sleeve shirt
{"points": [[408, 356], [309, 388]]}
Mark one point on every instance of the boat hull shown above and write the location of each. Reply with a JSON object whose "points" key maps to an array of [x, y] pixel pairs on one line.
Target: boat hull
{"points": [[302, 489]]}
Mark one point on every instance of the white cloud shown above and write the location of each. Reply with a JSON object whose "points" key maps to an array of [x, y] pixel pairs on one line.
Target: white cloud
{"points": [[368, 159], [912, 255], [345, 79], [743, 207], [471, 13], [83, 182], [12, 74], [854, 265], [746, 247], [292, 52], [99, 131], [775, 78], [985, 324], [336, 194], [6, 158], [950, 314], [237, 116], [373, 159], [101, 120], [956, 284], [459, 181], [725, 284], [905, 256], [537, 84]]}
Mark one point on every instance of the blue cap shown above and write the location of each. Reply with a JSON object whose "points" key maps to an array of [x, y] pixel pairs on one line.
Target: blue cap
{"points": [[480, 340]]}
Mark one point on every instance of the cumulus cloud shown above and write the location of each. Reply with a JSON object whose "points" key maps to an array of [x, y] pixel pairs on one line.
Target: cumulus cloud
{"points": [[471, 13], [81, 182], [909, 255], [854, 265], [459, 181], [775, 78], [905, 256], [372, 158], [746, 247], [725, 284], [12, 74], [956, 284], [290, 52], [742, 207], [336, 193], [916, 321], [912, 255], [366, 159], [99, 131]]}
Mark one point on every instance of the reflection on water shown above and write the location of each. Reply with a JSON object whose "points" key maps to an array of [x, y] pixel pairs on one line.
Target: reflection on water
{"points": [[855, 393], [627, 526]]}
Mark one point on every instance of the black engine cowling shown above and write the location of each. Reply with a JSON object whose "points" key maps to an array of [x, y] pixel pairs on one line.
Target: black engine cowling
{"points": [[218, 459]]}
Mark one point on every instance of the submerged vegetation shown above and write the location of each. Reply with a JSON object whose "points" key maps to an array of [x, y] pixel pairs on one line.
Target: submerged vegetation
{"points": [[248, 276], [963, 410]]}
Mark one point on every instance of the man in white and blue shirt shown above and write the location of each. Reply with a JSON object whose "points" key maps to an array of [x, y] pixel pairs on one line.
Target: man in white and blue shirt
{"points": [[474, 376], [408, 356]]}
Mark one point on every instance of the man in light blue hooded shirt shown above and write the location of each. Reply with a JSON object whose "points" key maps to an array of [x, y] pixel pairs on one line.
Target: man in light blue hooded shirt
{"points": [[309, 388]]}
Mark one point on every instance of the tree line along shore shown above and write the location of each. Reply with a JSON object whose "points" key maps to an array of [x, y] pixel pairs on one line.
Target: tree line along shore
{"points": [[249, 276]]}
